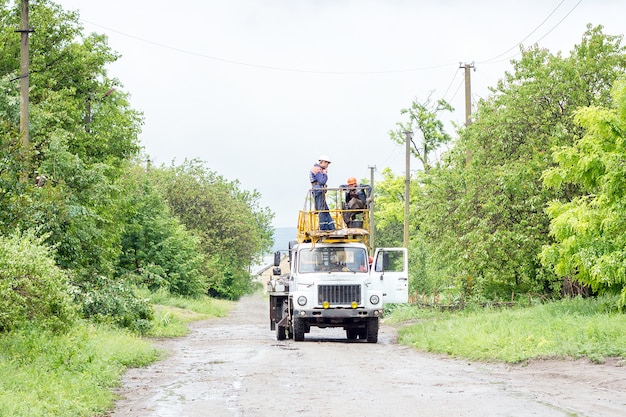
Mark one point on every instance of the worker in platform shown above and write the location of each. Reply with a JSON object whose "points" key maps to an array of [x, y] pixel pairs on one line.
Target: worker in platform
{"points": [[357, 198], [318, 177]]}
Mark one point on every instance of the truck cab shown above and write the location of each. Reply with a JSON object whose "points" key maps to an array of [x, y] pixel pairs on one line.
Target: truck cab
{"points": [[333, 281]]}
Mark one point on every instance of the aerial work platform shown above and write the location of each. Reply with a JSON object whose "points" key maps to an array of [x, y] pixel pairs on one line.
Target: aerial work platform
{"points": [[351, 225]]}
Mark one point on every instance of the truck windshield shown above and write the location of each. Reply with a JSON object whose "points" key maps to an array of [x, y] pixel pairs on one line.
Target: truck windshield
{"points": [[333, 259]]}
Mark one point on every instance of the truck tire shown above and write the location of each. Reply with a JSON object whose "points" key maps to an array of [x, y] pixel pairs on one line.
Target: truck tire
{"points": [[352, 334], [281, 334], [299, 328], [372, 330]]}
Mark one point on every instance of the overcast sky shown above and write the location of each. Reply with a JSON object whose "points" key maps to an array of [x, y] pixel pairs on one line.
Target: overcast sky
{"points": [[258, 89]]}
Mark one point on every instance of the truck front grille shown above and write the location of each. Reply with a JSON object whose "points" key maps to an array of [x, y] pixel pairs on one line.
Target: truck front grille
{"points": [[339, 294]]}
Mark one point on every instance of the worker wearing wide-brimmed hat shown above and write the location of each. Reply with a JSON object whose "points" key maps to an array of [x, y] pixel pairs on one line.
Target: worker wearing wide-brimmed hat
{"points": [[318, 178]]}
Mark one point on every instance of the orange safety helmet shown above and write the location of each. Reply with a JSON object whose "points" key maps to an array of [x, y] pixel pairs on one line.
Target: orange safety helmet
{"points": [[351, 181]]}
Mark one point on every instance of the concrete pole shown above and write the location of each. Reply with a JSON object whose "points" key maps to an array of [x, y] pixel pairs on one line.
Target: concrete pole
{"points": [[24, 76], [372, 224], [407, 187], [468, 92]]}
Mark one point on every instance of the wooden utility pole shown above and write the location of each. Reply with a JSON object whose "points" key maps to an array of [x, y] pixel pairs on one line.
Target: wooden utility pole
{"points": [[88, 115], [407, 187], [24, 75], [371, 206], [468, 92]]}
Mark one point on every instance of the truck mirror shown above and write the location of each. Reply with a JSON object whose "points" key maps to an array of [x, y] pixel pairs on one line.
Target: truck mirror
{"points": [[277, 258], [276, 271]]}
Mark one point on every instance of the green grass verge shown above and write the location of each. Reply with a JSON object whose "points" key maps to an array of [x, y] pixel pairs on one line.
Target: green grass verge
{"points": [[43, 374], [171, 314], [570, 328]]}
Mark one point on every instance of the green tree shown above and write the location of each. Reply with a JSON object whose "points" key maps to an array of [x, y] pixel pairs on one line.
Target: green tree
{"points": [[425, 122], [157, 250], [483, 210], [234, 230], [389, 209], [75, 166], [33, 289], [83, 133], [425, 118], [590, 229], [71, 97], [389, 220], [84, 195]]}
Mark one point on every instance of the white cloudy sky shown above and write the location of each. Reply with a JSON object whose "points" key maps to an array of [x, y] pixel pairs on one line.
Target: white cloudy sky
{"points": [[258, 89]]}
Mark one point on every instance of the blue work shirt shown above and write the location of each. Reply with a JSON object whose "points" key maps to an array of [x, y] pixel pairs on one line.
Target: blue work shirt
{"points": [[318, 174]]}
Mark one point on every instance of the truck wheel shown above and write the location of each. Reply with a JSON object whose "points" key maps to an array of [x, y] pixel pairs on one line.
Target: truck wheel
{"points": [[299, 328], [352, 334], [372, 330], [281, 334]]}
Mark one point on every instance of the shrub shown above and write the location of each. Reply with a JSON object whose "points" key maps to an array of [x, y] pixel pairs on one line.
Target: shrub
{"points": [[115, 302], [32, 287]]}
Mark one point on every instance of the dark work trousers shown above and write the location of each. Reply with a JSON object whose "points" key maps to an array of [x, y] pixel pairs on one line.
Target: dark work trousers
{"points": [[326, 221]]}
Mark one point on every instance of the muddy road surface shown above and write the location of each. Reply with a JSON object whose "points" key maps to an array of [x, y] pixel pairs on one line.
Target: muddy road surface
{"points": [[234, 367]]}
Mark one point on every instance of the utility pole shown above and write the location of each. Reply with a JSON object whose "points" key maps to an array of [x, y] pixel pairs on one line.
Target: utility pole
{"points": [[371, 205], [407, 187], [468, 92], [88, 115], [24, 76], [24, 30]]}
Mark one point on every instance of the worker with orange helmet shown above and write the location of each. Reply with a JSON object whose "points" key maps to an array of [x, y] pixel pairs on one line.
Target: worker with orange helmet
{"points": [[357, 198], [359, 191]]}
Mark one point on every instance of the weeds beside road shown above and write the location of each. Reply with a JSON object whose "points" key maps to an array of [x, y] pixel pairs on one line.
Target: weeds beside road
{"points": [[570, 328], [74, 374]]}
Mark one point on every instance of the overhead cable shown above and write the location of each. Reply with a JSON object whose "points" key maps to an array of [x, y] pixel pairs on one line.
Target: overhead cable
{"points": [[267, 67], [495, 60]]}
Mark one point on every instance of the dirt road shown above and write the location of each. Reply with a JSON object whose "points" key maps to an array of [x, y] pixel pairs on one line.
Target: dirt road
{"points": [[235, 367]]}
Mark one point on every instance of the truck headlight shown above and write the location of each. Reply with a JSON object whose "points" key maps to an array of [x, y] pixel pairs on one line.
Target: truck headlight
{"points": [[374, 299], [302, 300]]}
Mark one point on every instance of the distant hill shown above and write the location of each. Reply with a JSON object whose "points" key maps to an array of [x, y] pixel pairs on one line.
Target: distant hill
{"points": [[282, 237]]}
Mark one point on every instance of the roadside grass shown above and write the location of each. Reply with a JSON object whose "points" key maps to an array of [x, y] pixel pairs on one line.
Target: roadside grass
{"points": [[570, 328], [43, 374], [71, 374], [171, 314]]}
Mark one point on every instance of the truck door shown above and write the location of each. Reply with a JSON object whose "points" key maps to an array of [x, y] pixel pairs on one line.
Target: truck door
{"points": [[390, 274]]}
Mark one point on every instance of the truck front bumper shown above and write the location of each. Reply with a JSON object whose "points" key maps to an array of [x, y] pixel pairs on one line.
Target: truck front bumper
{"points": [[337, 313]]}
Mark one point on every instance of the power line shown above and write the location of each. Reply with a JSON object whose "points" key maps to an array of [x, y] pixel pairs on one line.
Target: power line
{"points": [[493, 60], [560, 21], [266, 67], [368, 72], [527, 36], [450, 85], [458, 87]]}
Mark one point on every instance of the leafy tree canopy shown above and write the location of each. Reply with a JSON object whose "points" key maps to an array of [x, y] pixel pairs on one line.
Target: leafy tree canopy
{"points": [[590, 229], [424, 119], [234, 230], [80, 187], [481, 212]]}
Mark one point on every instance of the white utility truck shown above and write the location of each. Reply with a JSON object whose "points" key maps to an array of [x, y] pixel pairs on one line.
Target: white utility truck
{"points": [[333, 281]]}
